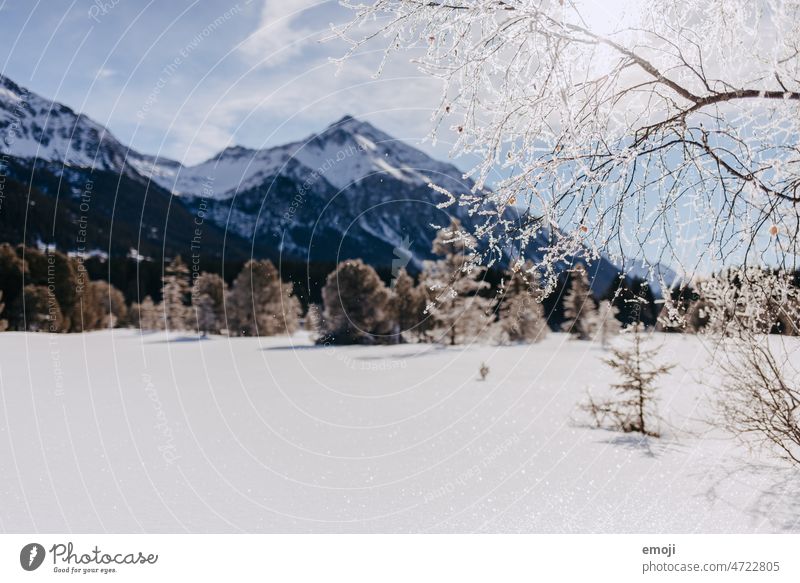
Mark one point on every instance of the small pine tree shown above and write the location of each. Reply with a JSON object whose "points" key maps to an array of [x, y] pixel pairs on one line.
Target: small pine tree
{"points": [[634, 409], [175, 294], [607, 325], [357, 304], [260, 303], [521, 313], [456, 310], [579, 307]]}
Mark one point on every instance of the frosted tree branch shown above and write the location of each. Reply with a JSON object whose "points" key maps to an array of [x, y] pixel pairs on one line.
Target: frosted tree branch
{"points": [[664, 130]]}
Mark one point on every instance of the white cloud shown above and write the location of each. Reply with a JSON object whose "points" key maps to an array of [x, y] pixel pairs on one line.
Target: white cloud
{"points": [[281, 33], [104, 73], [299, 92]]}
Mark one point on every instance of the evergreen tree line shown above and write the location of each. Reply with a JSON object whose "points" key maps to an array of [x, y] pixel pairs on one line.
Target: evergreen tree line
{"points": [[50, 291], [451, 301], [257, 303]]}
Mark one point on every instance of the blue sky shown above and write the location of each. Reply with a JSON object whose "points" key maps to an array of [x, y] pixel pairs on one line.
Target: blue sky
{"points": [[186, 78]]}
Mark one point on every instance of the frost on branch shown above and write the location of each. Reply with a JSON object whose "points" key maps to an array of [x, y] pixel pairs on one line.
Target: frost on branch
{"points": [[632, 129], [758, 398], [739, 303]]}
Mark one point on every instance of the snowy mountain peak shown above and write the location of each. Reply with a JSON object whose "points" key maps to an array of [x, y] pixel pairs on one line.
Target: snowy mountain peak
{"points": [[36, 128], [343, 154], [351, 126], [10, 90], [346, 152], [234, 152]]}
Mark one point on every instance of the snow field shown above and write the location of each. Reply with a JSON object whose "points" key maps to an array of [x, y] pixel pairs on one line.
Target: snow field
{"points": [[122, 432]]}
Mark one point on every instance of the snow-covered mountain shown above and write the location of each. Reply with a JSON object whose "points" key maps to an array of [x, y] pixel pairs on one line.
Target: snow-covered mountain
{"points": [[35, 128], [345, 153], [348, 191]]}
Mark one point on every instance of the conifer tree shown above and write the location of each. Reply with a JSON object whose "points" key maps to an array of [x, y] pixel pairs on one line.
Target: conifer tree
{"points": [[357, 306], [607, 324], [579, 307], [457, 311], [521, 313], [149, 316], [135, 315], [37, 310], [634, 409], [208, 303], [313, 321], [103, 306], [175, 295], [64, 276], [204, 315], [409, 303], [89, 313], [57, 272], [260, 304]]}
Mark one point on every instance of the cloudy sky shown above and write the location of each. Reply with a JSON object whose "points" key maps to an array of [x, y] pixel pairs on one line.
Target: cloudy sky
{"points": [[186, 78]]}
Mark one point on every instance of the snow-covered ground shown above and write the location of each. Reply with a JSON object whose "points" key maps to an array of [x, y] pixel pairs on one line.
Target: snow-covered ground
{"points": [[123, 432]]}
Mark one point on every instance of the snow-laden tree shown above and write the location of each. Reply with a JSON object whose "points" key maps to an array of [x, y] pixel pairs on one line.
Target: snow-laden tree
{"points": [[758, 398], [750, 300], [175, 295], [147, 315], [626, 127], [633, 409], [607, 324], [358, 307], [260, 304], [521, 313], [208, 303], [409, 303], [678, 316], [580, 311], [456, 310], [313, 321]]}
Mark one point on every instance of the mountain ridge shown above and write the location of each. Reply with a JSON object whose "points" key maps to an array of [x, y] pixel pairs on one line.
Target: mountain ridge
{"points": [[348, 191]]}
